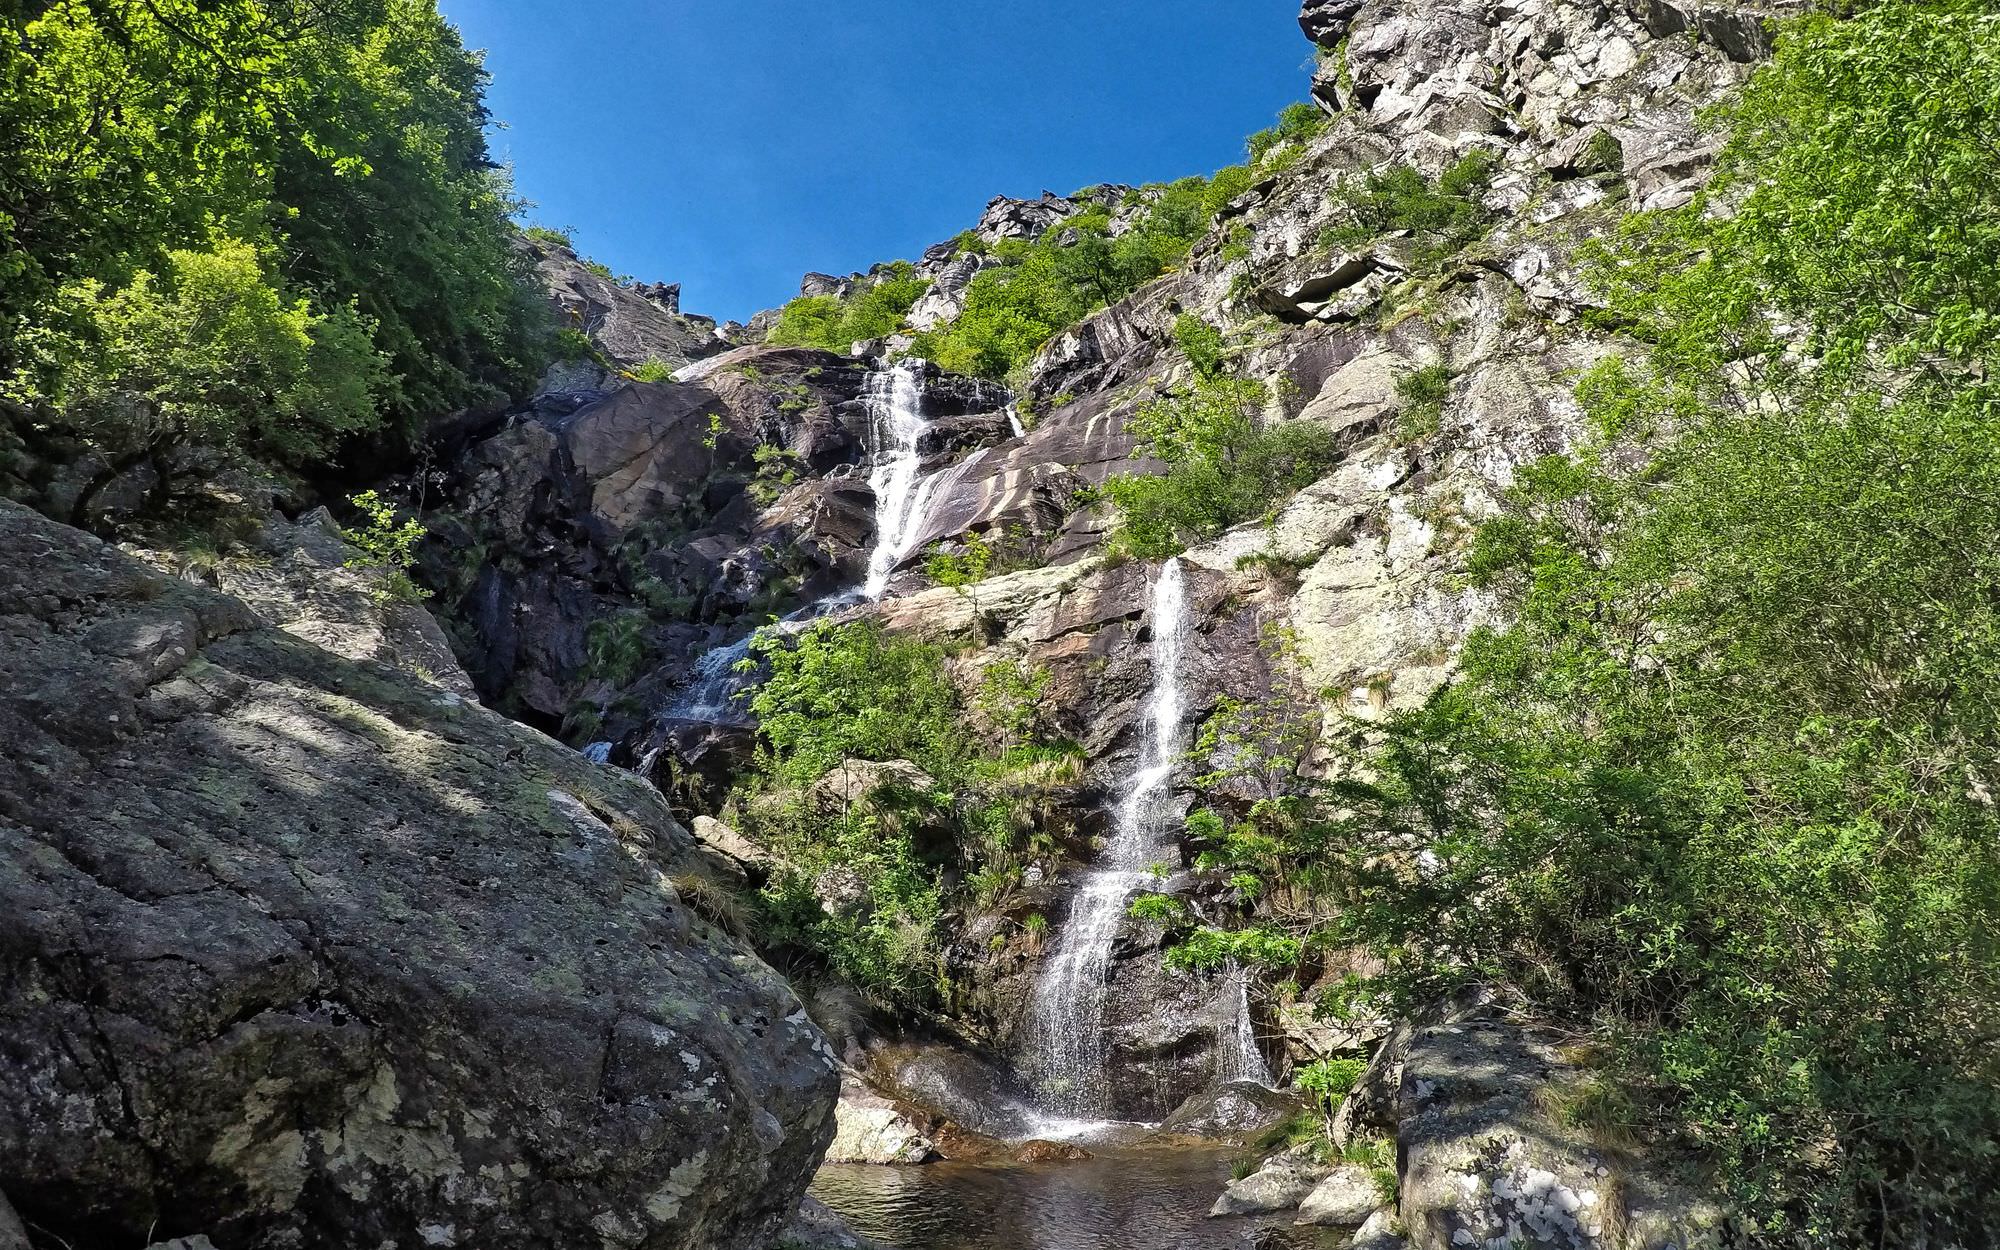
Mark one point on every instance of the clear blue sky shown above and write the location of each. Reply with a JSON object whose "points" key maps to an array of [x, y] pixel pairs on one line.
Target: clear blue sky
{"points": [[733, 145]]}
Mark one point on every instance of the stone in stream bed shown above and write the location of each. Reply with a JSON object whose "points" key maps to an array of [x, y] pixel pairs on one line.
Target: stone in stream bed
{"points": [[1049, 1152], [1283, 1182], [1345, 1199]]}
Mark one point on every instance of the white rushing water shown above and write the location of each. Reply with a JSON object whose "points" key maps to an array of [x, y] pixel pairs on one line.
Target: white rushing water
{"points": [[1066, 1022], [903, 495], [895, 414], [1237, 1055]]}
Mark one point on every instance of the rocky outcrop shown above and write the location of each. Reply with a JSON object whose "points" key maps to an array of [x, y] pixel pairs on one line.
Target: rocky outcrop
{"points": [[589, 552], [305, 579], [296, 950], [630, 324], [870, 1128], [1345, 1199], [1282, 1183], [1475, 1102]]}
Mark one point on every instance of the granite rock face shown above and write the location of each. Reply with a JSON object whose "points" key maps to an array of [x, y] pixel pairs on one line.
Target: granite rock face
{"points": [[631, 324], [299, 951]]}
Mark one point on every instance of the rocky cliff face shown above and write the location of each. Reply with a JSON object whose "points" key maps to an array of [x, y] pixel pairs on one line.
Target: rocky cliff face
{"points": [[688, 510], [298, 950]]}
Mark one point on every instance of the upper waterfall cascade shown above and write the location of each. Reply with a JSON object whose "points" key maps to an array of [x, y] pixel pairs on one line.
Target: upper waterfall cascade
{"points": [[894, 400]]}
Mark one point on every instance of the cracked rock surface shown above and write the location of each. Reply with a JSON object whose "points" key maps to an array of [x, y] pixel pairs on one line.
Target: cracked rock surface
{"points": [[292, 943]]}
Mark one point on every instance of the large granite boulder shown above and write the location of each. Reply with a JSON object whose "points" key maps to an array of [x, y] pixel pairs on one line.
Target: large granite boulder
{"points": [[299, 951]]}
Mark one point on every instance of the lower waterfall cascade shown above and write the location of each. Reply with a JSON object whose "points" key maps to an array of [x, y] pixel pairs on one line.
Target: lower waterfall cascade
{"points": [[1066, 1063]]}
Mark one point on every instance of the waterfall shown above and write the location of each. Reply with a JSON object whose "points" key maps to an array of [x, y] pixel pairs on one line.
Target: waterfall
{"points": [[895, 412], [1066, 1022], [896, 424], [1237, 1057]]}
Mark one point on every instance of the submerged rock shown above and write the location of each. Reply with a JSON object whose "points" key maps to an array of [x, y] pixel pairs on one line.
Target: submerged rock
{"points": [[1049, 1152], [300, 951], [818, 1227]]}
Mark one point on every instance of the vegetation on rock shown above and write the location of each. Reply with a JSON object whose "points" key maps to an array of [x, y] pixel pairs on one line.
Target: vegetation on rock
{"points": [[1224, 466], [874, 309], [1079, 266], [1722, 794], [970, 808]]}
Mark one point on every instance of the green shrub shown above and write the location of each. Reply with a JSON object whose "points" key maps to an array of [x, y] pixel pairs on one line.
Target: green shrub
{"points": [[1328, 1081], [1223, 467], [385, 545], [959, 569], [210, 353], [549, 236], [615, 648], [346, 143], [1423, 392], [1201, 343], [1299, 124], [875, 309], [1444, 215], [1075, 268], [835, 692]]}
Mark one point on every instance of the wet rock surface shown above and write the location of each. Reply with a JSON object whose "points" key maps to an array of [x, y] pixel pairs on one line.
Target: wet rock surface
{"points": [[298, 950]]}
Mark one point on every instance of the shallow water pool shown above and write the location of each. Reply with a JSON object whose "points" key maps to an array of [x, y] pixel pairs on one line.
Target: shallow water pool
{"points": [[1136, 1199]]}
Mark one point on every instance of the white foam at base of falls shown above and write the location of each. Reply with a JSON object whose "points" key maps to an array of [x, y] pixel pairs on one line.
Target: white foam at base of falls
{"points": [[1066, 1016]]}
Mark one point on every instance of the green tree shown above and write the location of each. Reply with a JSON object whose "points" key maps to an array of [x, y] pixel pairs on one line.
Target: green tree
{"points": [[342, 138], [208, 354]]}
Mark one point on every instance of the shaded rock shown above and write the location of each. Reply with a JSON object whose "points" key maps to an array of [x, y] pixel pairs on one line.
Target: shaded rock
{"points": [[12, 1235], [296, 950], [299, 580], [855, 781], [1345, 1199], [714, 833], [630, 325], [1379, 1232], [978, 1097], [1325, 21], [819, 1227]]}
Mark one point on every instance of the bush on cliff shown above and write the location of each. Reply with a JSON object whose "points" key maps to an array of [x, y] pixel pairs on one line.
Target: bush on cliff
{"points": [[1077, 267], [834, 693], [209, 353], [1223, 466], [1725, 794], [875, 310]]}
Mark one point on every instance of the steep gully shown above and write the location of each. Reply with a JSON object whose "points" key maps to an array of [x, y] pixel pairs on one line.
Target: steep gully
{"points": [[1065, 1054]]}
